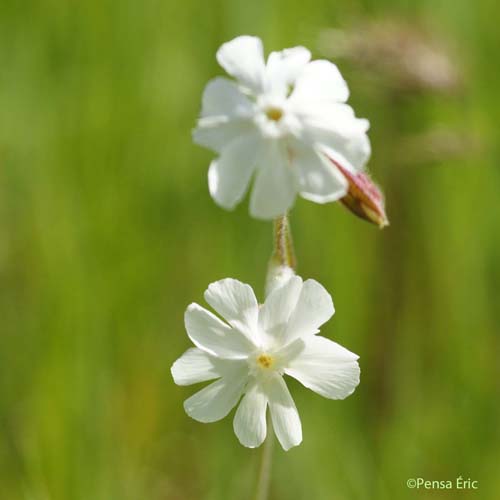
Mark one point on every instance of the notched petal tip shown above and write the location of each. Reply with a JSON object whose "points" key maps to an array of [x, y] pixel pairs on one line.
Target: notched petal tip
{"points": [[293, 445], [247, 445], [192, 307], [173, 369], [178, 375], [243, 58], [355, 385]]}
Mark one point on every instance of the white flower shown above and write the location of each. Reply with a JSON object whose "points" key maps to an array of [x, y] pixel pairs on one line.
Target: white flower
{"points": [[282, 119], [254, 348]]}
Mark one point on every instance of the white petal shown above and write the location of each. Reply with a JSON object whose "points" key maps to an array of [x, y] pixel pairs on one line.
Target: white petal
{"points": [[218, 132], [320, 81], [216, 400], [277, 276], [223, 97], [250, 420], [226, 114], [326, 117], [274, 190], [283, 68], [314, 307], [318, 179], [352, 154], [336, 131], [243, 58], [236, 303], [210, 334], [194, 366], [277, 309], [285, 418], [325, 367], [229, 175]]}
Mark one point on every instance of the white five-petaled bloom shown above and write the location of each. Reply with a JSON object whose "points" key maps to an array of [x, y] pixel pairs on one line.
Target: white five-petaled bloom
{"points": [[281, 119], [254, 348]]}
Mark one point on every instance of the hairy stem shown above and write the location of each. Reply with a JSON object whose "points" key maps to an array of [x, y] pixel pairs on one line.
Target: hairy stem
{"points": [[284, 254], [282, 263]]}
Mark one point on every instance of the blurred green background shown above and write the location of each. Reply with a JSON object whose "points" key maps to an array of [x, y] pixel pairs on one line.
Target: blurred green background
{"points": [[107, 233]]}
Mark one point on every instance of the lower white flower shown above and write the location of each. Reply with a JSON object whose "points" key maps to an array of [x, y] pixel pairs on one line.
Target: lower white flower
{"points": [[254, 348]]}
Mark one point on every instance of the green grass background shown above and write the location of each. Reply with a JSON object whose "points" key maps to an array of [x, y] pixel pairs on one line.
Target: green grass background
{"points": [[107, 233]]}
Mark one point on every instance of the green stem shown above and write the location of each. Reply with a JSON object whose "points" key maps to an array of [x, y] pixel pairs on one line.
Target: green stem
{"points": [[283, 257], [282, 263], [264, 479], [284, 254]]}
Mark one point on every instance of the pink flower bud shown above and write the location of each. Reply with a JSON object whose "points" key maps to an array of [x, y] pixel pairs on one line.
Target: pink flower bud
{"points": [[363, 197]]}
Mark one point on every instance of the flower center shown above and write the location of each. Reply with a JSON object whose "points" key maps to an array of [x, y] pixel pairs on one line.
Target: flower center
{"points": [[274, 113], [265, 361]]}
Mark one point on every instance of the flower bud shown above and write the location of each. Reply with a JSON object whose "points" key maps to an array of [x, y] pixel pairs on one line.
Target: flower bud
{"points": [[363, 197]]}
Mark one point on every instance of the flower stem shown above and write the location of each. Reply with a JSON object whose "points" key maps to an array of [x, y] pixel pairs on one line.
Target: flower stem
{"points": [[282, 263], [264, 479], [284, 254]]}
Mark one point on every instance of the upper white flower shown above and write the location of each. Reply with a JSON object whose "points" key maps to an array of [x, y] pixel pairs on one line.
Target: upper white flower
{"points": [[254, 348], [282, 119]]}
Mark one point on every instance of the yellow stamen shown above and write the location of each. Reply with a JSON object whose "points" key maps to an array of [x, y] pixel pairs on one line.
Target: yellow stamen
{"points": [[265, 361], [274, 114]]}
